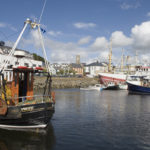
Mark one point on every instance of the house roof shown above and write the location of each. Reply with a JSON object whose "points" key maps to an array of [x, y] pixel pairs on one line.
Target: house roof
{"points": [[76, 65], [6, 49], [97, 64]]}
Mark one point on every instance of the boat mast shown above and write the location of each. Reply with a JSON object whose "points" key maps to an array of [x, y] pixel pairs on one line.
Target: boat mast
{"points": [[33, 25], [122, 61], [136, 58], [110, 57], [127, 64], [43, 48]]}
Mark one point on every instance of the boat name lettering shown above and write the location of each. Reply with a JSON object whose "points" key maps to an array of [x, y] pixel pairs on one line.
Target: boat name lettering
{"points": [[26, 109]]}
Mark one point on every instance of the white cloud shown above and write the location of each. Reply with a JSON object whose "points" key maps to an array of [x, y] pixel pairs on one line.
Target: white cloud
{"points": [[5, 25], [148, 14], [100, 44], [81, 25], [120, 40], [139, 39], [56, 51], [55, 33], [9, 43], [84, 40], [104, 54], [64, 52], [145, 57], [126, 6], [2, 25], [141, 36]]}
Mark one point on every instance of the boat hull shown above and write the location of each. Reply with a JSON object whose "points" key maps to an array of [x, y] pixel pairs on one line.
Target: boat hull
{"points": [[123, 86], [106, 78], [28, 115], [137, 89], [115, 87]]}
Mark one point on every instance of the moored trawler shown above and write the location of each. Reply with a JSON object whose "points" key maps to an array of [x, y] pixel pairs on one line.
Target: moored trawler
{"points": [[110, 77], [140, 86], [113, 81], [19, 106]]}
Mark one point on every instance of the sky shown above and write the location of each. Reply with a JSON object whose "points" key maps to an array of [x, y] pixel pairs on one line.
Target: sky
{"points": [[80, 27]]}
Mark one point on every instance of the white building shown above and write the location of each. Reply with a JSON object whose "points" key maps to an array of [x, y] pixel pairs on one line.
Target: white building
{"points": [[14, 61], [94, 68], [20, 58]]}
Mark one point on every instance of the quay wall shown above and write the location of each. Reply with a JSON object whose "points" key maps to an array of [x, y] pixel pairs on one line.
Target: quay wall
{"points": [[65, 82]]}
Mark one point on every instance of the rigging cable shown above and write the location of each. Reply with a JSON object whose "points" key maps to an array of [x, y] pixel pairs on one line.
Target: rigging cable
{"points": [[42, 11]]}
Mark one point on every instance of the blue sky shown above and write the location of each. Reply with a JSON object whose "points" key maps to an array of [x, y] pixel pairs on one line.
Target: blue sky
{"points": [[82, 27]]}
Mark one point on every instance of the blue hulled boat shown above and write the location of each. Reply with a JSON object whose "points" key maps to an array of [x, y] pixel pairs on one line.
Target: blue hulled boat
{"points": [[138, 89]]}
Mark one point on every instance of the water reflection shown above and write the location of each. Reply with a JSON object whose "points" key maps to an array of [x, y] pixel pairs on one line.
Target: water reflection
{"points": [[90, 120], [41, 139], [111, 120]]}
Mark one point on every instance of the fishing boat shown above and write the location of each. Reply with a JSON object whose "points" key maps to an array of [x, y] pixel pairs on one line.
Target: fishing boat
{"points": [[97, 87], [19, 106], [106, 78], [139, 87], [111, 86], [111, 79]]}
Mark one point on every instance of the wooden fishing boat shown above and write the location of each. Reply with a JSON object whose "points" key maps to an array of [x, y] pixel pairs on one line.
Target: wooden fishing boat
{"points": [[19, 106]]}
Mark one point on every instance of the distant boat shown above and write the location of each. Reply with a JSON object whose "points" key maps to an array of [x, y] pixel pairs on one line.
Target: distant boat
{"points": [[136, 88], [111, 86], [97, 87]]}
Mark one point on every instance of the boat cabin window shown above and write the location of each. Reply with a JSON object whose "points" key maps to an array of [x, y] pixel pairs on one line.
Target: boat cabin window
{"points": [[30, 78], [15, 79], [21, 76]]}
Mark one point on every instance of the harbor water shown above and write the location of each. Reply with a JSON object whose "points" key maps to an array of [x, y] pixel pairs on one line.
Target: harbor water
{"points": [[89, 120]]}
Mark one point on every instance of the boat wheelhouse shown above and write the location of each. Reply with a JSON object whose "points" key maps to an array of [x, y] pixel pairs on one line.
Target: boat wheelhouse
{"points": [[19, 106]]}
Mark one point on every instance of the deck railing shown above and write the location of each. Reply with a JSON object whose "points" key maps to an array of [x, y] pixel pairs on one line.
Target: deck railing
{"points": [[34, 99]]}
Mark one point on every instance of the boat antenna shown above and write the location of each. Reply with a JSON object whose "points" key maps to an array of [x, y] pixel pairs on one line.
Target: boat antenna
{"points": [[42, 11]]}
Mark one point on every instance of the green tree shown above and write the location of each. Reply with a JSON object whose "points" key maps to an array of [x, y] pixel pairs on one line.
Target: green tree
{"points": [[37, 57]]}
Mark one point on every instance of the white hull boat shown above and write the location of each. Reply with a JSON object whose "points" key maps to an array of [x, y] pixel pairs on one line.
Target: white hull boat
{"points": [[97, 87]]}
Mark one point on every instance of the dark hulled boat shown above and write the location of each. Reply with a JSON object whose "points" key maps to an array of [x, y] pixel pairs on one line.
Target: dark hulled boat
{"points": [[19, 106], [138, 89]]}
